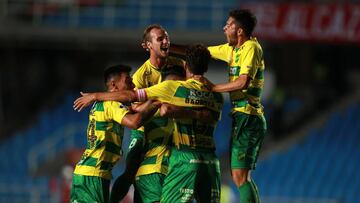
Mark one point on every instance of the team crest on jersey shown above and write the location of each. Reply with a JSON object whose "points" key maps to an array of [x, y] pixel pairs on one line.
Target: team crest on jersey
{"points": [[234, 70], [147, 73]]}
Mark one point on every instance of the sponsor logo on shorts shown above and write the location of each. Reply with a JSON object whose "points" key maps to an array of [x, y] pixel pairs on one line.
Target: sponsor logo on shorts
{"points": [[241, 156], [197, 161], [187, 194]]}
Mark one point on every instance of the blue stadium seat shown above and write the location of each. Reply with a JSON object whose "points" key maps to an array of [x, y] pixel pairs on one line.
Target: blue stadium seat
{"points": [[320, 165]]}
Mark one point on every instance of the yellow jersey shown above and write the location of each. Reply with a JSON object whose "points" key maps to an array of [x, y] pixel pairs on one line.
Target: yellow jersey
{"points": [[148, 75], [104, 137], [247, 59], [158, 136], [158, 131]]}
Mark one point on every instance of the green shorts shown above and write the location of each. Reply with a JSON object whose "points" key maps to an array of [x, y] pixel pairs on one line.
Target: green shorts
{"points": [[135, 153], [248, 133], [136, 145], [192, 175], [150, 187], [89, 189]]}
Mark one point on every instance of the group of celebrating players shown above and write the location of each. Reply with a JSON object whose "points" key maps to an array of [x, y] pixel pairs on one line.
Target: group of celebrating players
{"points": [[173, 111]]}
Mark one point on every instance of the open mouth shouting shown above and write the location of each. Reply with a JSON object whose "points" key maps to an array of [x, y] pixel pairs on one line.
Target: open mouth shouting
{"points": [[164, 49]]}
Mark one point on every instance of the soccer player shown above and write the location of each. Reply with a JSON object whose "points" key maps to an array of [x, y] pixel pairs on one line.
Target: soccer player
{"points": [[245, 59], [157, 135], [194, 170], [92, 174], [157, 42]]}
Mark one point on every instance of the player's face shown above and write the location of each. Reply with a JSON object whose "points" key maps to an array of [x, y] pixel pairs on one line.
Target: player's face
{"points": [[160, 43], [124, 82], [230, 31]]}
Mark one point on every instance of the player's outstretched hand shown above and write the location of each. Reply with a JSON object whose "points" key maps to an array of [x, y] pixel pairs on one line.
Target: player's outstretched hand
{"points": [[85, 100]]}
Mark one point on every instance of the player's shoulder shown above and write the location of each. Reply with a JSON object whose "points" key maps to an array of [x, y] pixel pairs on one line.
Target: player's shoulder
{"points": [[142, 72], [167, 83], [115, 104], [252, 43], [146, 65]]}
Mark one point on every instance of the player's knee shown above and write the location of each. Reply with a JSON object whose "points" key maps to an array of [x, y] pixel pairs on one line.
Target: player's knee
{"points": [[240, 177], [239, 180]]}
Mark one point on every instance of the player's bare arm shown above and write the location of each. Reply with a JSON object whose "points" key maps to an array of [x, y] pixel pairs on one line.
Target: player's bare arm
{"points": [[88, 98], [242, 82], [139, 106]]}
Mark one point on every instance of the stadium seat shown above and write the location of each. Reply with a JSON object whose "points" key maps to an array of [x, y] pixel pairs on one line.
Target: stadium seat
{"points": [[317, 167]]}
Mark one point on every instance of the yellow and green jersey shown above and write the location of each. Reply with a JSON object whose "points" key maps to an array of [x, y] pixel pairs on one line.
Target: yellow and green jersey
{"points": [[158, 135], [104, 137], [188, 133], [148, 75], [249, 60], [158, 131]]}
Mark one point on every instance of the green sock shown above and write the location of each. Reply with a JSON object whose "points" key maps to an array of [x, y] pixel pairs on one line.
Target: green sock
{"points": [[120, 189], [249, 193]]}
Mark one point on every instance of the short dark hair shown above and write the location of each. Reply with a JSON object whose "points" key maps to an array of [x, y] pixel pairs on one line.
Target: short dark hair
{"points": [[114, 70], [246, 20], [197, 58], [146, 35], [172, 70]]}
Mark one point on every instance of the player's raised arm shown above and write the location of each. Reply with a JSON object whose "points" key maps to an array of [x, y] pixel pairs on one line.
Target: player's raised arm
{"points": [[88, 98], [242, 82]]}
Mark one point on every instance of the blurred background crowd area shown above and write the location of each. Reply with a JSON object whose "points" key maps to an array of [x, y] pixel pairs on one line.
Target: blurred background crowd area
{"points": [[50, 50]]}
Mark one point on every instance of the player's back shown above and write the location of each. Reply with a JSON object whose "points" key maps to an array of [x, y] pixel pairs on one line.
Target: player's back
{"points": [[190, 133], [158, 133]]}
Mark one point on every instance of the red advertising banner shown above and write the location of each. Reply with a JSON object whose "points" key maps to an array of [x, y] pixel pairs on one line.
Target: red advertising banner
{"points": [[310, 22]]}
